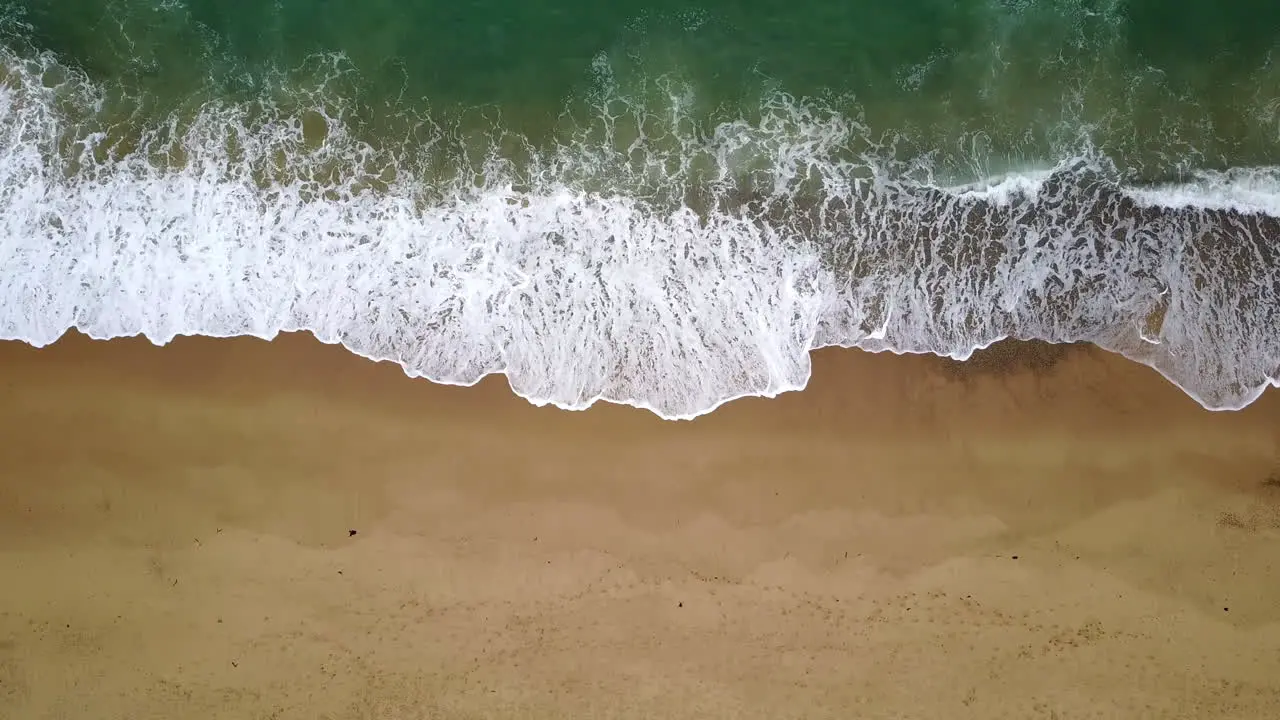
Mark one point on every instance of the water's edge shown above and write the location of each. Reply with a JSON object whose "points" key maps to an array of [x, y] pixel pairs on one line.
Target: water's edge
{"points": [[644, 247], [537, 402]]}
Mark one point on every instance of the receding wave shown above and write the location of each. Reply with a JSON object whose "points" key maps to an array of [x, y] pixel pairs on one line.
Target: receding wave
{"points": [[671, 269]]}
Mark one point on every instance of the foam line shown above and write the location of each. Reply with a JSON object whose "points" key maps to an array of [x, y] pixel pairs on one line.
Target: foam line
{"points": [[588, 275]]}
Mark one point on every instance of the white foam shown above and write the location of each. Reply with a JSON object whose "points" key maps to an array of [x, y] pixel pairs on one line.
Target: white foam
{"points": [[581, 278], [1005, 188], [1246, 190]]}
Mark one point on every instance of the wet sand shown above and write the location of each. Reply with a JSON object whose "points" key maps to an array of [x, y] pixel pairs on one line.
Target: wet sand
{"points": [[242, 529]]}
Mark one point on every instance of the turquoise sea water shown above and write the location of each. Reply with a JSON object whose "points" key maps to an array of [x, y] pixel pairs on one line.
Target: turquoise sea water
{"points": [[666, 204]]}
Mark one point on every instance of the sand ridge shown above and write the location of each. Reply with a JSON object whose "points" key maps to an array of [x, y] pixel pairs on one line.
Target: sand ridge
{"points": [[1044, 532]]}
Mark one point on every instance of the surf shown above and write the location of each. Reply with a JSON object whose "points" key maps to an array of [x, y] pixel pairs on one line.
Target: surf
{"points": [[640, 259]]}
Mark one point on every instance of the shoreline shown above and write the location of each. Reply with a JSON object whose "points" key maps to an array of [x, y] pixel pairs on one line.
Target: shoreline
{"points": [[980, 359]]}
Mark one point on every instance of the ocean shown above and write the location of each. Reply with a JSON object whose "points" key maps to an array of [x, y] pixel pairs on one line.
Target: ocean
{"points": [[662, 204]]}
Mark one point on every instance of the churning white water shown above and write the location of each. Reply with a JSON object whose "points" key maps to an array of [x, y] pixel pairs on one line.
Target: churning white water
{"points": [[580, 274]]}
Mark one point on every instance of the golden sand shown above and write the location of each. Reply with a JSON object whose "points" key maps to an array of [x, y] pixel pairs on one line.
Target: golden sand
{"points": [[1042, 533]]}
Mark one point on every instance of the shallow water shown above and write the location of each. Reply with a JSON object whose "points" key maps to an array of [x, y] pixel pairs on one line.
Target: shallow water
{"points": [[667, 206]]}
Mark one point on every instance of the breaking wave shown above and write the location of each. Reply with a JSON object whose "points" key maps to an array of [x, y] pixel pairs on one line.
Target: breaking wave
{"points": [[638, 259]]}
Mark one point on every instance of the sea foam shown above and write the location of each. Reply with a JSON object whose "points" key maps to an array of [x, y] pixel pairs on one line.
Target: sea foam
{"points": [[666, 269]]}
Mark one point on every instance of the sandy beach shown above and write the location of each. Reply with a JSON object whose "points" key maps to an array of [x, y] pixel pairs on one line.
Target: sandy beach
{"points": [[244, 529]]}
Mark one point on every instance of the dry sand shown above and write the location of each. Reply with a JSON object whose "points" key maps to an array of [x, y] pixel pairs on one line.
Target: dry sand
{"points": [[1044, 533]]}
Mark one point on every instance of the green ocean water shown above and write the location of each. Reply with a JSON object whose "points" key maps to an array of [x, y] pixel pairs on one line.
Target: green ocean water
{"points": [[665, 204], [1161, 86]]}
